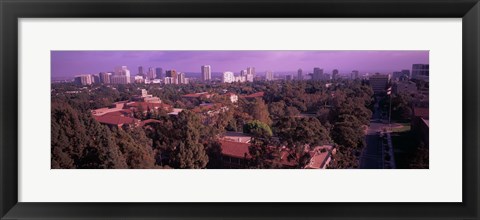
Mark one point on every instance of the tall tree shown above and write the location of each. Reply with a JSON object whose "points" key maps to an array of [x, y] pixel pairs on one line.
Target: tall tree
{"points": [[259, 111], [189, 153]]}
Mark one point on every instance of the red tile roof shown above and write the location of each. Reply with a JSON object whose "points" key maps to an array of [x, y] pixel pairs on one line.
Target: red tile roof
{"points": [[123, 112], [113, 119], [235, 149], [148, 105]]}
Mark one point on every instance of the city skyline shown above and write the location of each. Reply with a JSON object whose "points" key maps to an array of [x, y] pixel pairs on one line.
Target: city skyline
{"points": [[71, 63]]}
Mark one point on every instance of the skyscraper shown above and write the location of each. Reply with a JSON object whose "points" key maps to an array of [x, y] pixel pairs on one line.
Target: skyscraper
{"points": [[158, 73], [379, 83], [84, 80], [317, 73], [172, 74], [105, 77], [243, 72], [119, 79], [250, 77], [335, 74], [354, 74], [228, 77], [206, 73], [269, 75], [405, 75], [251, 70], [151, 73], [300, 74], [397, 75], [420, 71], [140, 71], [181, 78], [122, 72]]}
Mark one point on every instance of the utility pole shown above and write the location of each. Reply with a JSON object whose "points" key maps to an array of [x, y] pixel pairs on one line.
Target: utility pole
{"points": [[389, 93]]}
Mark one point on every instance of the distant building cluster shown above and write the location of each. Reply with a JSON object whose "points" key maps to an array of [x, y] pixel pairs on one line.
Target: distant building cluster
{"points": [[399, 81], [247, 75], [121, 75]]}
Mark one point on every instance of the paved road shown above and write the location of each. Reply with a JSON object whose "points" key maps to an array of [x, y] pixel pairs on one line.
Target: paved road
{"points": [[371, 156]]}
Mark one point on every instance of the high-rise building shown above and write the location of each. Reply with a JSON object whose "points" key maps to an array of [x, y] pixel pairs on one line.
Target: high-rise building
{"points": [[158, 73], [269, 75], [181, 78], [140, 71], [250, 77], [95, 79], [354, 74], [327, 76], [243, 72], [300, 74], [151, 73], [405, 75], [335, 74], [122, 71], [173, 74], [396, 75], [251, 70], [168, 80], [105, 77], [119, 79], [379, 82], [420, 71], [228, 77], [206, 73], [83, 80], [317, 74]]}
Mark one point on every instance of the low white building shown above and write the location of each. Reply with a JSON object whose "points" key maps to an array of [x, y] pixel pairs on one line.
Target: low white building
{"points": [[228, 77], [233, 97], [240, 78]]}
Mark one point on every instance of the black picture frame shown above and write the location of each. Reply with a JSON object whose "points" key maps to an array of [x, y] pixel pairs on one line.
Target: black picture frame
{"points": [[12, 10]]}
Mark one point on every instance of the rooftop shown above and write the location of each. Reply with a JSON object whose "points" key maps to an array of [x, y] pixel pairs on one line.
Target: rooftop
{"points": [[148, 105], [115, 119], [235, 149]]}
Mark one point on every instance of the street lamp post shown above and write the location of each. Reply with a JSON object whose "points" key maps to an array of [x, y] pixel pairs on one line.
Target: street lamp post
{"points": [[389, 93]]}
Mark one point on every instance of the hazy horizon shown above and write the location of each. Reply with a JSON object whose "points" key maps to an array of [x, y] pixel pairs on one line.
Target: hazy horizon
{"points": [[70, 63]]}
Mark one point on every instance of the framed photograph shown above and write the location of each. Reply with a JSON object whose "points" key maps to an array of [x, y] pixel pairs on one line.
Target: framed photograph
{"points": [[251, 110]]}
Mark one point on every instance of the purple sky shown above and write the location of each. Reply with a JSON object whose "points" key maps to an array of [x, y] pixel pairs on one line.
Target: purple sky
{"points": [[70, 63]]}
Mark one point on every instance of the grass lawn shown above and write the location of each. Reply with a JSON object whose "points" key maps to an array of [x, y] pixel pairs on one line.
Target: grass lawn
{"points": [[404, 128]]}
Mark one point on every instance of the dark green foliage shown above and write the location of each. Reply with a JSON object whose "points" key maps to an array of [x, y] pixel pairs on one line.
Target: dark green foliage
{"points": [[189, 153], [297, 132], [299, 113], [79, 141], [348, 131], [257, 129]]}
